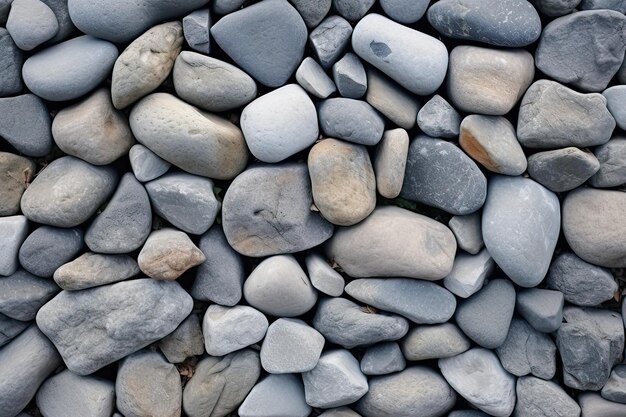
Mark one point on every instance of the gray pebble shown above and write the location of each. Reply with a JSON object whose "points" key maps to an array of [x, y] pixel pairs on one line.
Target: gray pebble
{"points": [[392, 100], [23, 294], [226, 6], [5, 7], [227, 329], [312, 12], [555, 7], [60, 8], [31, 23], [467, 413], [276, 395], [312, 77], [146, 165], [93, 269], [353, 10], [593, 405], [291, 346], [16, 173], [468, 273], [47, 248], [405, 11], [434, 342], [339, 412], [615, 98], [562, 169], [539, 398], [390, 162], [349, 75], [468, 232], [184, 342], [323, 277], [11, 61], [25, 124], [612, 158], [330, 39], [617, 5], [438, 119], [196, 28], [615, 387], [351, 120], [382, 359], [13, 232], [542, 309], [168, 253], [621, 73], [10, 328]]}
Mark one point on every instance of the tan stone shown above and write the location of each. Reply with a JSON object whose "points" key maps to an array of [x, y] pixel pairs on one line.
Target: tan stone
{"points": [[167, 254]]}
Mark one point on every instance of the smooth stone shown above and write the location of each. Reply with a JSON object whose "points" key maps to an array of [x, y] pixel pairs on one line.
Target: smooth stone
{"points": [[13, 232], [390, 99], [488, 81], [25, 124], [434, 342], [593, 405], [353, 10], [68, 395], [509, 23], [226, 6], [31, 23], [479, 378], [11, 60], [47, 248], [612, 158], [575, 39], [542, 309], [521, 223], [394, 242], [93, 130], [62, 72], [16, 172], [146, 165], [591, 342], [227, 329], [554, 116], [211, 84], [184, 342], [438, 119], [279, 287], [594, 226], [539, 398], [555, 8], [615, 387], [390, 162], [125, 223], [339, 412], [441, 175], [330, 39], [219, 385], [343, 183], [491, 141], [220, 277], [280, 124], [23, 294], [262, 400], [196, 28], [527, 351], [267, 211], [350, 77], [617, 5], [416, 391], [291, 346], [266, 40], [25, 362], [10, 328], [485, 317], [420, 301], [405, 11], [467, 413], [312, 12], [168, 253], [615, 97], [468, 232], [562, 169], [79, 190], [146, 385], [352, 120], [312, 77], [72, 320], [186, 201], [468, 273], [93, 269], [382, 359], [347, 324], [323, 277], [62, 14]]}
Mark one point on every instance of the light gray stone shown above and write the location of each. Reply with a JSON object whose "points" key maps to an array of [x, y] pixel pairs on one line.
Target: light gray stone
{"points": [[31, 23], [227, 329], [539, 398], [349, 75], [562, 169], [184, 342], [196, 28], [434, 342], [168, 253], [323, 277], [330, 39], [11, 60], [382, 359], [146, 165], [351, 120], [16, 173], [312, 12], [390, 99], [405, 11], [25, 124], [353, 10], [93, 269], [615, 387], [437, 118], [23, 294], [615, 97], [468, 232], [291, 346], [468, 273], [593, 405], [10, 328], [226, 6], [390, 162], [612, 158], [542, 309], [312, 77], [47, 248], [276, 395], [13, 232]]}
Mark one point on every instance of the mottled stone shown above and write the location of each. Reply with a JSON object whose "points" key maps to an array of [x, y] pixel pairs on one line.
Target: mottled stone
{"points": [[184, 342], [405, 11], [312, 77], [382, 359], [196, 28], [31, 23], [555, 7], [468, 273], [227, 329], [330, 39], [468, 231], [16, 173], [612, 158], [539, 398], [350, 77], [615, 387], [13, 232], [351, 120], [312, 12], [146, 165], [542, 309], [390, 162], [11, 60], [25, 124], [23, 294], [93, 269], [434, 342], [562, 169], [226, 6], [323, 277], [390, 99], [438, 119], [167, 254], [291, 346], [47, 248], [276, 395]]}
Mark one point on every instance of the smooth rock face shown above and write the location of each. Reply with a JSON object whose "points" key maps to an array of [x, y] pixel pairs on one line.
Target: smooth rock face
{"points": [[468, 273], [382, 358], [339, 412], [10, 328], [311, 76], [196, 27], [291, 346], [227, 329], [394, 242], [555, 7], [614, 389], [351, 120], [61, 72], [311, 12], [405, 11], [47, 248], [593, 404], [350, 77], [392, 100], [184, 342], [16, 172], [329, 40], [594, 227], [562, 169], [353, 10], [267, 211], [441, 175], [61, 12], [167, 254], [434, 342], [146, 164], [92, 269], [262, 399], [416, 391], [415, 60], [521, 222], [25, 124], [266, 40], [612, 158], [71, 320], [22, 294], [14, 230], [488, 81], [468, 232], [569, 51], [280, 124], [323, 277], [538, 398], [11, 60], [390, 162], [615, 97], [542, 309], [30, 23], [438, 118], [479, 378]]}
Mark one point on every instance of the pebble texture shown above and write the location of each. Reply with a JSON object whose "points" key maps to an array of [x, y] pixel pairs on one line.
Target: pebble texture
{"points": [[16, 172], [26, 124], [167, 254], [48, 248], [291, 346]]}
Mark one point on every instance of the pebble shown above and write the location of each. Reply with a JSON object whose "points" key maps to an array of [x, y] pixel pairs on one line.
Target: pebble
{"points": [[228, 329], [276, 395], [536, 397], [312, 77], [146, 165], [219, 385], [509, 23], [390, 162], [491, 141], [615, 97], [468, 232], [62, 14], [594, 226], [125, 223], [11, 60], [93, 130], [615, 387], [279, 287], [196, 28], [382, 359], [350, 77], [184, 342], [438, 119], [16, 172], [323, 277], [521, 222], [10, 328], [352, 120], [441, 175], [468, 273], [226, 6], [47, 248], [569, 48], [25, 124], [72, 320], [347, 324], [93, 269], [562, 169], [554, 116], [612, 158], [339, 412], [593, 405], [146, 385], [616, 5], [467, 413], [555, 8], [61, 72], [393, 101], [394, 242], [416, 391], [22, 294], [542, 309], [330, 39], [434, 342], [68, 395], [13, 232], [291, 346], [415, 60], [343, 183], [168, 253], [312, 12], [267, 211], [353, 10], [266, 40], [479, 378], [485, 317], [31, 23], [405, 11], [280, 124], [488, 81], [186, 201]]}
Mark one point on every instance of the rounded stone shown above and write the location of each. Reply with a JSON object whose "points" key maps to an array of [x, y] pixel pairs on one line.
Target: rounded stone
{"points": [[228, 329], [405, 11], [25, 124], [291, 346], [11, 60], [438, 119], [14, 231], [390, 162], [353, 10], [312, 77], [93, 269], [276, 395], [167, 254], [23, 294], [562, 169], [184, 342], [16, 173], [434, 342], [146, 165], [612, 158], [351, 120], [390, 99], [31, 23], [323, 277], [311, 12], [615, 98], [382, 359], [47, 248], [350, 77], [555, 7], [196, 28]]}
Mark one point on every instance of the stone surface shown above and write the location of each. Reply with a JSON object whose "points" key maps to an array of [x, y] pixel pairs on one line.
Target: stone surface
{"points": [[615, 97], [93, 269], [323, 277], [30, 23], [612, 158], [340, 412], [25, 124], [262, 400], [434, 342], [226, 6], [16, 172], [542, 309], [61, 12], [23, 294], [312, 77], [382, 359], [47, 248], [350, 77], [468, 232], [353, 10], [438, 119], [291, 346], [555, 7], [330, 39], [593, 405], [10, 328], [13, 232], [146, 165], [227, 329], [351, 120], [11, 61], [616, 5], [184, 342], [196, 28], [168, 253], [615, 387], [562, 169], [405, 11], [390, 162], [312, 12], [392, 100], [468, 273], [538, 398]]}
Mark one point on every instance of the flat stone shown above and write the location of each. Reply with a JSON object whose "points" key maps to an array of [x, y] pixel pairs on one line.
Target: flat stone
{"points": [[542, 309], [390, 162], [342, 181], [312, 77], [537, 398], [276, 395], [434, 342], [353, 10], [291, 346], [72, 320], [13, 232], [323, 277], [16, 172], [441, 175], [196, 28], [488, 81], [93, 269], [168, 253], [280, 124], [350, 77], [312, 12], [11, 60], [382, 359], [405, 11], [23, 294], [438, 119], [47, 248], [390, 99], [468, 273], [184, 342], [31, 23], [394, 242], [521, 223], [562, 169], [146, 165], [615, 387], [25, 124], [612, 158], [615, 97], [555, 7], [10, 328], [594, 405], [468, 232], [330, 39], [227, 329], [267, 211]]}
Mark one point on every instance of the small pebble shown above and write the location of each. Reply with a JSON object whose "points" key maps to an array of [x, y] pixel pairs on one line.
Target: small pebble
{"points": [[167, 254], [438, 119], [196, 28], [13, 232], [382, 359], [612, 158], [353, 10], [262, 400], [311, 12], [434, 342], [330, 39], [352, 120], [228, 329], [11, 60], [323, 277], [349, 75], [47, 248], [146, 165], [615, 387], [562, 169], [22, 294], [291, 346], [542, 309], [468, 232], [390, 162], [184, 342], [312, 77], [405, 11], [615, 97], [393, 101], [468, 273]]}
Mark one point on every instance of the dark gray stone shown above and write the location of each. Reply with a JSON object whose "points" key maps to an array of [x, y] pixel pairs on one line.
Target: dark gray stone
{"points": [[615, 387], [25, 124], [66, 26], [9, 328], [593, 405], [467, 413], [312, 77], [168, 253], [438, 119], [312, 12], [539, 398], [617, 5], [555, 7], [405, 11], [23, 294], [93, 269], [329, 40], [11, 61], [323, 277], [349, 75], [16, 173], [382, 359], [31, 23], [184, 342], [291, 346], [353, 10], [146, 164], [196, 27], [392, 100], [468, 273], [542, 309], [468, 232], [351, 120], [279, 395], [13, 232], [434, 342], [612, 157], [5, 7], [47, 248], [562, 169], [227, 329]]}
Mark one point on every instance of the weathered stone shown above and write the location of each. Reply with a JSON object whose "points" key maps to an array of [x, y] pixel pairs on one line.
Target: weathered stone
{"points": [[323, 277], [312, 77], [405, 11], [351, 120], [66, 26], [31, 23], [539, 398], [184, 342], [615, 387], [350, 77], [23, 294], [542, 309], [9, 328], [390, 162], [196, 28], [276, 395], [227, 329], [146, 164], [468, 232], [594, 405], [616, 5], [25, 124], [11, 61], [438, 119], [16, 172], [612, 158], [291, 346], [167, 254], [434, 342], [13, 232], [392, 100], [329, 40], [468, 273], [47, 248], [562, 169], [312, 12], [382, 359]]}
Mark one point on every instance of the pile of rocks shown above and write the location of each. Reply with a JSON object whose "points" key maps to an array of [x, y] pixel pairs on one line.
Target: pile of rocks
{"points": [[334, 207]]}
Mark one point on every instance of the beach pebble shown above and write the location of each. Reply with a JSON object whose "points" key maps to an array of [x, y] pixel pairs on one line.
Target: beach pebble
{"points": [[184, 342], [291, 346], [468, 232], [226, 6], [312, 77], [382, 359], [10, 328], [196, 28], [593, 405], [390, 162], [542, 309], [615, 387], [11, 60], [30, 23], [146, 165], [47, 248], [468, 273], [339, 412], [16, 173], [390, 99], [93, 269], [612, 158], [323, 277], [616, 5], [167, 254], [311, 12], [615, 98], [330, 39], [61, 12], [562, 169], [353, 10], [350, 77], [537, 397], [555, 8], [438, 119], [434, 342], [276, 395], [22, 294], [352, 120], [405, 11], [13, 232], [228, 329], [25, 124]]}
